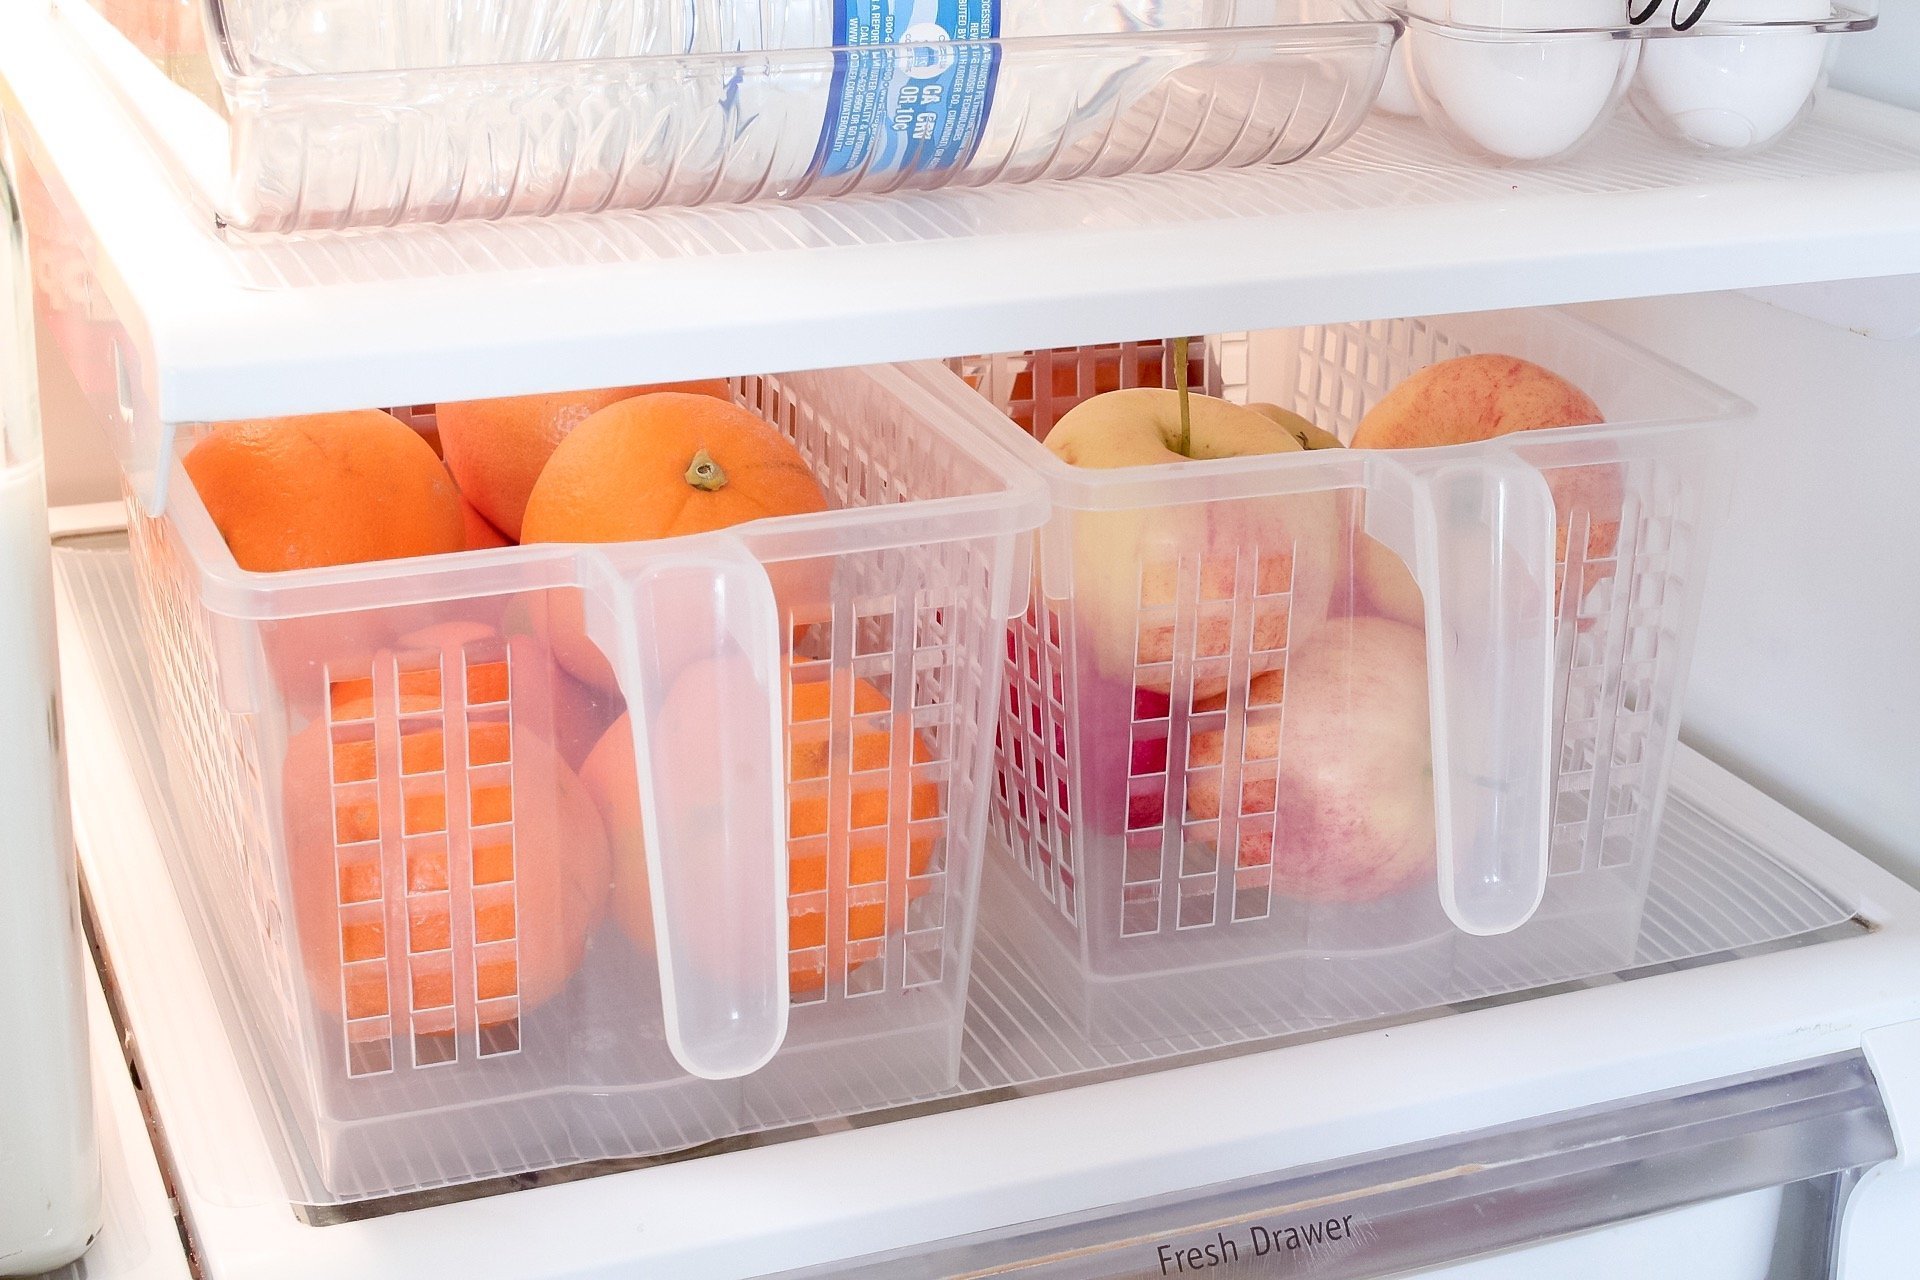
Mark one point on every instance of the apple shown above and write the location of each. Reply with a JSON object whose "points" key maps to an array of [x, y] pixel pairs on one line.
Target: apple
{"points": [[1345, 776], [1127, 562], [1378, 584], [1309, 436], [1478, 397], [1141, 426]]}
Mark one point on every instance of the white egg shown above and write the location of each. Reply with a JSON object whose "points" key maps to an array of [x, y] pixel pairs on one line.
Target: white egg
{"points": [[1511, 96], [1732, 91]]}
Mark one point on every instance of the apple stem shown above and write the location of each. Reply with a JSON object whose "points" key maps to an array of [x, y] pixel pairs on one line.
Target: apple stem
{"points": [[1180, 346]]}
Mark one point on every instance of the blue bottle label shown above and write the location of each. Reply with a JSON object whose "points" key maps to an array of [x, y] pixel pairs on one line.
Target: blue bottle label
{"points": [[919, 101]]}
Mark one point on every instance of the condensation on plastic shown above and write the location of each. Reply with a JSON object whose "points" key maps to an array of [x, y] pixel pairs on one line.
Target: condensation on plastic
{"points": [[715, 818], [646, 118], [1509, 82], [1478, 538]]}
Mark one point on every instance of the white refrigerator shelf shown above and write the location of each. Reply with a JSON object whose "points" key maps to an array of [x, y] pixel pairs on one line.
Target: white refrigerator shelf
{"points": [[1726, 972], [211, 326]]}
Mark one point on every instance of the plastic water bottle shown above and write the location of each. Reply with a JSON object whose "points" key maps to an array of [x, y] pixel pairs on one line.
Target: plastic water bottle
{"points": [[756, 102], [926, 85]]}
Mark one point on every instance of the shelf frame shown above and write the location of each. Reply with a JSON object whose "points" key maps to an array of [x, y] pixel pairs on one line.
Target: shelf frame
{"points": [[207, 326]]}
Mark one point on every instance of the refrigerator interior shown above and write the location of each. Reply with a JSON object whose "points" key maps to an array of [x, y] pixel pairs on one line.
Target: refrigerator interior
{"points": [[1607, 1127], [1770, 952]]}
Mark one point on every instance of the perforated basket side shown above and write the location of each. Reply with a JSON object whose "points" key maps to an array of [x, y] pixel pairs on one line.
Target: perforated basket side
{"points": [[905, 641], [1035, 792], [215, 771]]}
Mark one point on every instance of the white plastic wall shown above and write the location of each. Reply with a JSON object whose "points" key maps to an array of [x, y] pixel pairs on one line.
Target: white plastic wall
{"points": [[1886, 63], [1806, 679], [79, 467]]}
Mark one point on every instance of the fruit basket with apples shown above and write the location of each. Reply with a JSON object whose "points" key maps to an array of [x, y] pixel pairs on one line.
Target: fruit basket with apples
{"points": [[661, 826], [1368, 647]]}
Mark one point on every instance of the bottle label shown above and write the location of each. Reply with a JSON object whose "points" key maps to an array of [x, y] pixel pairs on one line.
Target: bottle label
{"points": [[918, 101]]}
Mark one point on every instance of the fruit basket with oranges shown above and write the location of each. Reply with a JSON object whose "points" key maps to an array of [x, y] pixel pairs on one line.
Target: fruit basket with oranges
{"points": [[613, 786], [1369, 647]]}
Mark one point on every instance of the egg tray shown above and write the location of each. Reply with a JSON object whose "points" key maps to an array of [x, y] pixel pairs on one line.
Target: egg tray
{"points": [[1513, 84]]}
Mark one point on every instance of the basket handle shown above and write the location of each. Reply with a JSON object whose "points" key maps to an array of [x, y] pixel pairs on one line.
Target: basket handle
{"points": [[701, 628], [1478, 537]]}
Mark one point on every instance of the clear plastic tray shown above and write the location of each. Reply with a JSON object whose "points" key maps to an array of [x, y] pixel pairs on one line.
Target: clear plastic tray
{"points": [[1528, 81], [428, 111], [1139, 686], [529, 979]]}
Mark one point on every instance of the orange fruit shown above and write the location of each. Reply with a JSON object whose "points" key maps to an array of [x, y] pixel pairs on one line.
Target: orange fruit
{"points": [[380, 874], [581, 713], [496, 448], [331, 488], [662, 465], [879, 847], [665, 464], [479, 535]]}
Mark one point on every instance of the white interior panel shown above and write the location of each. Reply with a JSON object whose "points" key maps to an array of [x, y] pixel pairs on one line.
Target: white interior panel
{"points": [[1804, 678]]}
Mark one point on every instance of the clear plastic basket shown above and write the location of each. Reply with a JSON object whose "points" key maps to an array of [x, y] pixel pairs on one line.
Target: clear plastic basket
{"points": [[1138, 700], [454, 967], [1529, 81], [355, 114]]}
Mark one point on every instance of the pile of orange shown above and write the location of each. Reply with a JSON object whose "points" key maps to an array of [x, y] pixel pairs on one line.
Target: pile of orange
{"points": [[443, 885], [496, 449], [395, 887], [659, 466], [336, 488], [887, 840]]}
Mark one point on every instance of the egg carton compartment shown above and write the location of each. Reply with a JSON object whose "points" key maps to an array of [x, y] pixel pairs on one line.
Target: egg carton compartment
{"points": [[1509, 82]]}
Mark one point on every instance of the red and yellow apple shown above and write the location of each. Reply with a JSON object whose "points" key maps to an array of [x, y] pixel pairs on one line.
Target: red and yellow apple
{"points": [[1309, 436], [1351, 793], [1478, 397], [1128, 562], [1378, 584]]}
